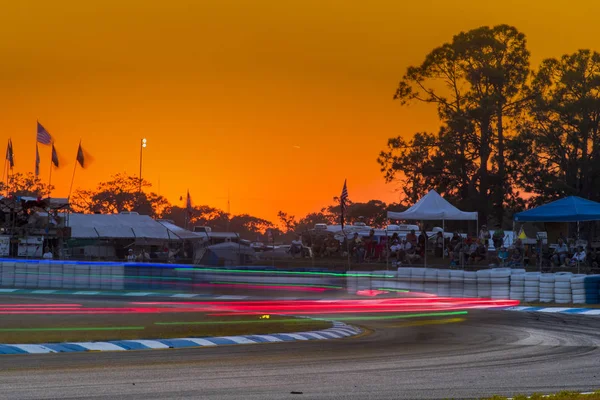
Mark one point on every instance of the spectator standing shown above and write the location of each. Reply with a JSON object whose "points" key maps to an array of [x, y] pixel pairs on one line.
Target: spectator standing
{"points": [[498, 237], [439, 244], [47, 254], [296, 247], [484, 235]]}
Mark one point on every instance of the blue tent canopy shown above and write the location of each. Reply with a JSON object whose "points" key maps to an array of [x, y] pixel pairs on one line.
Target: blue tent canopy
{"points": [[569, 209]]}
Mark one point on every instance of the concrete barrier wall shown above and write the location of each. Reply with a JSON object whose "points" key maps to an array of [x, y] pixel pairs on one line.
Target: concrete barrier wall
{"points": [[496, 283]]}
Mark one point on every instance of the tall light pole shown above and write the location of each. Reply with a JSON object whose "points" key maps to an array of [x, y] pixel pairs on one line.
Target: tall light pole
{"points": [[142, 146]]}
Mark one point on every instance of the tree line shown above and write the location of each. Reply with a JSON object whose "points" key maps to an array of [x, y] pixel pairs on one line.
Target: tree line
{"points": [[510, 135], [121, 193]]}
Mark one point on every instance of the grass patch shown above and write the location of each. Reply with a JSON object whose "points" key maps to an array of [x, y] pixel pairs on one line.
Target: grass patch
{"points": [[82, 328], [558, 396]]}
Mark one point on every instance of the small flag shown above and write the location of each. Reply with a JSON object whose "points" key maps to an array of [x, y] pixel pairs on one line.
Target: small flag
{"points": [[343, 199], [188, 203], [10, 156], [522, 234], [43, 136], [54, 156], [37, 160], [83, 157]]}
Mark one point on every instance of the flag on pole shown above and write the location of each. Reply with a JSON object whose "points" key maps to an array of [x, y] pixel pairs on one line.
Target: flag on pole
{"points": [[188, 204], [80, 156], [43, 136], [37, 160], [54, 156], [10, 156], [83, 157], [343, 199]]}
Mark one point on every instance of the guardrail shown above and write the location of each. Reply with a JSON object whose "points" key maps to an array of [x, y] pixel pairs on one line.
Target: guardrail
{"points": [[496, 283]]}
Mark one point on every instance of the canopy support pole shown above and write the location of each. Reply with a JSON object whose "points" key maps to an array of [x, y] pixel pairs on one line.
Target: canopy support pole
{"points": [[443, 239], [387, 247], [425, 248]]}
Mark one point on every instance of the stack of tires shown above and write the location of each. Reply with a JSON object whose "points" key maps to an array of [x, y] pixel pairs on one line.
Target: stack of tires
{"points": [[470, 284], [517, 286], [547, 282], [484, 283], [500, 280], [531, 287], [8, 273], [443, 284], [417, 279], [379, 280], [363, 281], [431, 280], [592, 289], [403, 279], [562, 288], [578, 288], [457, 283]]}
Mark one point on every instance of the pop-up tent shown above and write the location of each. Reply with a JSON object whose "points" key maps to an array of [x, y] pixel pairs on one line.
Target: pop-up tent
{"points": [[433, 207], [569, 209]]}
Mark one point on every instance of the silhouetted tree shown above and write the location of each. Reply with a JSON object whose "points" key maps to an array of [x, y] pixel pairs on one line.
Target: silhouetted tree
{"points": [[476, 81], [557, 151], [121, 193], [25, 185]]}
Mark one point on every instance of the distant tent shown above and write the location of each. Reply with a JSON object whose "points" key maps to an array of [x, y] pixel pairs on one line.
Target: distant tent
{"points": [[569, 209], [432, 206]]}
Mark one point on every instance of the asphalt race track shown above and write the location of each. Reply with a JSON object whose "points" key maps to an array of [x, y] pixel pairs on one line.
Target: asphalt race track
{"points": [[489, 352]]}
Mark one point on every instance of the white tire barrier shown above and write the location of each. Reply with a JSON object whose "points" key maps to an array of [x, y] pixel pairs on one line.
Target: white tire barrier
{"points": [[443, 283]]}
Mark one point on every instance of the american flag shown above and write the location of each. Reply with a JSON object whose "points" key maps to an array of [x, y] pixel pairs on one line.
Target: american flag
{"points": [[43, 136], [343, 199], [344, 196]]}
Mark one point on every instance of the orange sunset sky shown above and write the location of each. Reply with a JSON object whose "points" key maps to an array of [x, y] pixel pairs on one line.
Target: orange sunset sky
{"points": [[275, 101]]}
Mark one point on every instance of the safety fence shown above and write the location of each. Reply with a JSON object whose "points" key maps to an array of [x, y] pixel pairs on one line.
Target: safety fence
{"points": [[496, 283]]}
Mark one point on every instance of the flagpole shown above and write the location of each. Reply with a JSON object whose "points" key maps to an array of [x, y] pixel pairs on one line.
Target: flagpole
{"points": [[74, 169], [187, 211], [50, 177], [4, 171]]}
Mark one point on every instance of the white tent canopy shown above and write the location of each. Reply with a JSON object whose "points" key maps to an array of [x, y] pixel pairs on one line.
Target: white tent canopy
{"points": [[182, 233], [118, 226], [432, 206]]}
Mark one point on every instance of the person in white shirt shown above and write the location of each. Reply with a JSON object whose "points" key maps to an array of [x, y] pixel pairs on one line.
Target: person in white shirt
{"points": [[578, 257], [484, 235], [130, 256], [560, 253], [47, 254], [296, 247]]}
